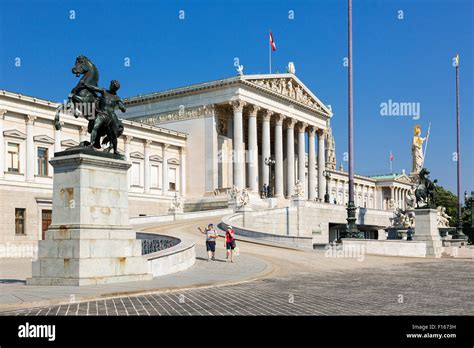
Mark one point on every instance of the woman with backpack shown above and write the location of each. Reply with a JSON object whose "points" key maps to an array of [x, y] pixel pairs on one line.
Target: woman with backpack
{"points": [[229, 243]]}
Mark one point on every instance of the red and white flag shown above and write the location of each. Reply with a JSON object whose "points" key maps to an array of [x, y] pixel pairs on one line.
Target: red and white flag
{"points": [[391, 156], [272, 42]]}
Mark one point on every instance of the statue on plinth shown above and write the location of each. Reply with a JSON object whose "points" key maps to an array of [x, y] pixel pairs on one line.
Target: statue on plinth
{"points": [[244, 198], [442, 217], [298, 190], [402, 219], [98, 110], [177, 203], [233, 192]]}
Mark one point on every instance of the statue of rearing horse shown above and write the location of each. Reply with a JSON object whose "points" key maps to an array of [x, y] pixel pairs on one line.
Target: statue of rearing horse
{"points": [[81, 99], [424, 191]]}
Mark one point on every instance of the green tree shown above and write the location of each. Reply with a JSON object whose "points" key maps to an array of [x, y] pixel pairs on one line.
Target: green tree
{"points": [[467, 223]]}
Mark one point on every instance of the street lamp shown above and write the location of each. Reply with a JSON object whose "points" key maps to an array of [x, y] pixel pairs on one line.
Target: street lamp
{"points": [[270, 162], [327, 175], [351, 228]]}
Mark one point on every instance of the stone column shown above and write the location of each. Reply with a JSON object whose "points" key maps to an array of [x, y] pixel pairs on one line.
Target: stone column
{"points": [[321, 165], [165, 170], [182, 166], [238, 141], [253, 149], [82, 133], [392, 195], [279, 155], [30, 148], [301, 155], [266, 146], [126, 149], [2, 141], [146, 167], [290, 156], [57, 138], [311, 164]]}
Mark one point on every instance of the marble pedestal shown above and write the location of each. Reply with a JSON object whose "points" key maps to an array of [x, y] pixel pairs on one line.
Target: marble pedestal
{"points": [[90, 240], [426, 230]]}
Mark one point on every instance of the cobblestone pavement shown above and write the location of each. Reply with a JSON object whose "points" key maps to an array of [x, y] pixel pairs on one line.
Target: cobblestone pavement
{"points": [[415, 288]]}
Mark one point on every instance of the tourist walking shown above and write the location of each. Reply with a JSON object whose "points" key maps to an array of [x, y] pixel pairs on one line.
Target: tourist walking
{"points": [[211, 236], [229, 243]]}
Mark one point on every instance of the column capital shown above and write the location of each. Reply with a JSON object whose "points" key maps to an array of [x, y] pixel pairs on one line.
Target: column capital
{"points": [[166, 146], [2, 113], [128, 139], [147, 143], [302, 127], [267, 115], [311, 130], [238, 105], [279, 119], [321, 131], [254, 109], [83, 130], [30, 119], [290, 122]]}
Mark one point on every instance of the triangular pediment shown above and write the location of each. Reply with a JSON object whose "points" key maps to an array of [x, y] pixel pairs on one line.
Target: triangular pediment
{"points": [[43, 139], [404, 178], [137, 155], [156, 158], [69, 143], [173, 161], [13, 133], [290, 87]]}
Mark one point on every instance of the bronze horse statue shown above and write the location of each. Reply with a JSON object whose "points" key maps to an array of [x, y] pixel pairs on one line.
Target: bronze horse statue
{"points": [[424, 192], [82, 100]]}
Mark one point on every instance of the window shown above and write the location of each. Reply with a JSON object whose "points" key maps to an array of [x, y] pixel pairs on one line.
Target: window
{"points": [[20, 221], [154, 173], [135, 173], [45, 221], [13, 158], [42, 161], [172, 179]]}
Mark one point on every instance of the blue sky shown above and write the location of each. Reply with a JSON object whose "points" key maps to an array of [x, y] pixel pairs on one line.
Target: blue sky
{"points": [[403, 60]]}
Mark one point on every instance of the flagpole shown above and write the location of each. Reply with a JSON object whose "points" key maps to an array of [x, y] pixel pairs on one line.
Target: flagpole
{"points": [[270, 51], [391, 169], [270, 56]]}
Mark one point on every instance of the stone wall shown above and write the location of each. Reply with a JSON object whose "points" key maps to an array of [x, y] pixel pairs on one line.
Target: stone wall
{"points": [[304, 219]]}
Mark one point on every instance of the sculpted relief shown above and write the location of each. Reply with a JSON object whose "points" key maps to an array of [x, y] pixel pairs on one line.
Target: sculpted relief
{"points": [[181, 114], [287, 88]]}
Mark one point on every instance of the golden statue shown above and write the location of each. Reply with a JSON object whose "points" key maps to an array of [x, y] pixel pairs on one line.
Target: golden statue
{"points": [[417, 150]]}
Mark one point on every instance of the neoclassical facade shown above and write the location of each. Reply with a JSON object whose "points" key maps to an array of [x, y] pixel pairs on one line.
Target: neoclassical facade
{"points": [[28, 140], [197, 142], [236, 124]]}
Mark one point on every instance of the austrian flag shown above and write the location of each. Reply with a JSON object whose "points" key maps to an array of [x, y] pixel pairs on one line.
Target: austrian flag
{"points": [[272, 42]]}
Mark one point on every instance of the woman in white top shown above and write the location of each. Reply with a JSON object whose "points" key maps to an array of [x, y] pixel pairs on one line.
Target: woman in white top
{"points": [[211, 236]]}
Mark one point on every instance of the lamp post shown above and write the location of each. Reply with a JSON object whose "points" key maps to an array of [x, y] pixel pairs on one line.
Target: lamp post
{"points": [[270, 162], [459, 233], [351, 228], [327, 175]]}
